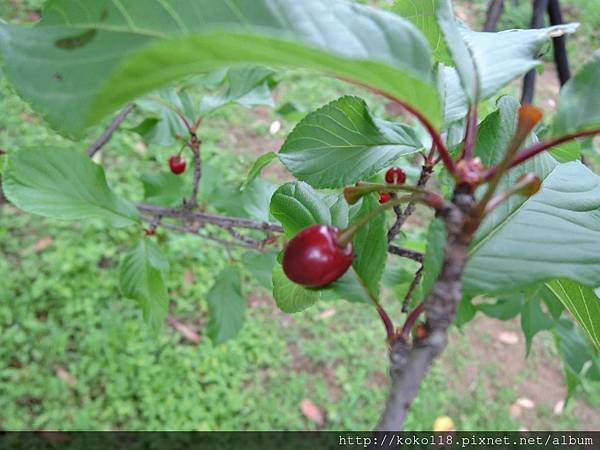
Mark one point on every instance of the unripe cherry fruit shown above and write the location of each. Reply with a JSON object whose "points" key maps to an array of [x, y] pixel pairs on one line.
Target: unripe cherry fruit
{"points": [[314, 258], [395, 175], [384, 197], [177, 164]]}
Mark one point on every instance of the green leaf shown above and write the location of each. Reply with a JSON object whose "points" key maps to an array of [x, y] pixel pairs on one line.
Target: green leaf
{"points": [[338, 208], [527, 241], [463, 55], [63, 184], [164, 189], [226, 307], [465, 312], [256, 199], [423, 13], [576, 352], [297, 206], [370, 246], [140, 46], [534, 320], [166, 124], [291, 297], [247, 86], [434, 255], [579, 99], [258, 166], [348, 287], [499, 59], [554, 234], [505, 308], [260, 266], [142, 277], [342, 143], [583, 303]]}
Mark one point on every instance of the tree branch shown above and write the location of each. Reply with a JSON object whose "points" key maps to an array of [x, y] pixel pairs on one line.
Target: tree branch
{"points": [[221, 221], [537, 21], [494, 12], [108, 133], [410, 362]]}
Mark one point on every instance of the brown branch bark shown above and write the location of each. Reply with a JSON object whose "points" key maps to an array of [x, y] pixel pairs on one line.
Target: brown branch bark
{"points": [[195, 146], [108, 133], [410, 362]]}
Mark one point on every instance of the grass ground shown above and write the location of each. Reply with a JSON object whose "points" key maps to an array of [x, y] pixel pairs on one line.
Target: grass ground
{"points": [[75, 355]]}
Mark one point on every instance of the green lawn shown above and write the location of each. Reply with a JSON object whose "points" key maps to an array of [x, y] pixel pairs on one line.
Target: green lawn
{"points": [[75, 355]]}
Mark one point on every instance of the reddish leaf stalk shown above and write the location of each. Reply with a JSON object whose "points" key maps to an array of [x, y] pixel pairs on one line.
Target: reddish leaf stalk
{"points": [[411, 320], [435, 136], [540, 147], [471, 134], [387, 323]]}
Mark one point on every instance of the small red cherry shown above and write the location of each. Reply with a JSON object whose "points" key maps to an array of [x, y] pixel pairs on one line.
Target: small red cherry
{"points": [[384, 197], [313, 258], [177, 164], [395, 176]]}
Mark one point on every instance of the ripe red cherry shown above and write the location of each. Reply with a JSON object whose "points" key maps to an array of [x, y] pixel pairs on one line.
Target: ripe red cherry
{"points": [[314, 258], [395, 176], [177, 164], [384, 197]]}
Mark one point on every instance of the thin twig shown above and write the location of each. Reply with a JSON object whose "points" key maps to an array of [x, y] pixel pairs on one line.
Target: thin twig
{"points": [[221, 221], [406, 253], [401, 219], [411, 289], [108, 133], [208, 236]]}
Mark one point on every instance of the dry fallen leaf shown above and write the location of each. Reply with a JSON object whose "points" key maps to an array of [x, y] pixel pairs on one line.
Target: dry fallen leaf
{"points": [[526, 403], [188, 277], [39, 246], [312, 412], [327, 313], [186, 331], [64, 375], [508, 337], [443, 423], [559, 407], [515, 411]]}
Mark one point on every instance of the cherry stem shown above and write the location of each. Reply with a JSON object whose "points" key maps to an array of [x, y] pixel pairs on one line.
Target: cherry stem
{"points": [[471, 134], [354, 193], [346, 235], [385, 318], [540, 147], [411, 320]]}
